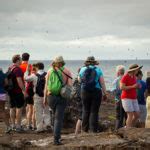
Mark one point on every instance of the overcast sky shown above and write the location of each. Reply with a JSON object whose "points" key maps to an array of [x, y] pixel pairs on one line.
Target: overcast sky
{"points": [[107, 29]]}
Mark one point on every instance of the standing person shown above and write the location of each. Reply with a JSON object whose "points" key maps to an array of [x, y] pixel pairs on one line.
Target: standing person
{"points": [[42, 114], [52, 92], [3, 113], [17, 93], [24, 65], [31, 81], [141, 98], [92, 86], [128, 86], [76, 97], [147, 94], [120, 113]]}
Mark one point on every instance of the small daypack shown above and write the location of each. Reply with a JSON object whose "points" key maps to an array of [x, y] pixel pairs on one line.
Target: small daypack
{"points": [[54, 83], [76, 90], [40, 84], [88, 80], [9, 74]]}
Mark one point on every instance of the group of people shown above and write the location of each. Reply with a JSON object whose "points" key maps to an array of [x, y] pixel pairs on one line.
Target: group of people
{"points": [[38, 92], [131, 95]]}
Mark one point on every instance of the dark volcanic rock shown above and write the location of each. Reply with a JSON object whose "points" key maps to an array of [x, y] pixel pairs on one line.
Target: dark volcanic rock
{"points": [[126, 139]]}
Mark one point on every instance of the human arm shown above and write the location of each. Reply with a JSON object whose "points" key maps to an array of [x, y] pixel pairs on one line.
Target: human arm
{"points": [[46, 89], [21, 85], [124, 87], [102, 82], [19, 78]]}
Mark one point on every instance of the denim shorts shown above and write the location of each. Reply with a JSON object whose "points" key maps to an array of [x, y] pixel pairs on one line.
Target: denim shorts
{"points": [[130, 105]]}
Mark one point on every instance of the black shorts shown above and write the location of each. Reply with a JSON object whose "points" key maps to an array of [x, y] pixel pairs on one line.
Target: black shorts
{"points": [[29, 100], [16, 100]]}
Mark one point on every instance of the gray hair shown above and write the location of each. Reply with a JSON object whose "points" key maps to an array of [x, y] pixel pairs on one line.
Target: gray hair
{"points": [[120, 68]]}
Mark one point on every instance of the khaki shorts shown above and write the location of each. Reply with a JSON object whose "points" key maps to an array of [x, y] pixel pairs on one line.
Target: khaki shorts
{"points": [[130, 105]]}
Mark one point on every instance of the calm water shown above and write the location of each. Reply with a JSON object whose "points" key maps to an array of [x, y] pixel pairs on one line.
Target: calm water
{"points": [[108, 67]]}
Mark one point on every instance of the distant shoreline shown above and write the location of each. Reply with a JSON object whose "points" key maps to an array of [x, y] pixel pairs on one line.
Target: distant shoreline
{"points": [[84, 60]]}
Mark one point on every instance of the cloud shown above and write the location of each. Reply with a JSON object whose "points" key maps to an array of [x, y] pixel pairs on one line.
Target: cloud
{"points": [[69, 27]]}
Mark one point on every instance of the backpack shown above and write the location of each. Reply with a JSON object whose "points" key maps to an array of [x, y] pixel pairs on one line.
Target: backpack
{"points": [[76, 90], [54, 83], [88, 80], [10, 86], [40, 84]]}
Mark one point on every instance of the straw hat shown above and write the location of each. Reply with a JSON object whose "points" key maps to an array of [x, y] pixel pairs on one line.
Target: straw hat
{"points": [[58, 59], [91, 60], [134, 67], [148, 74]]}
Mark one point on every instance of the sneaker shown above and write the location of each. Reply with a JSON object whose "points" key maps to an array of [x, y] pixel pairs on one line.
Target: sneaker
{"points": [[29, 127], [13, 128], [39, 131], [34, 128], [19, 130], [57, 143], [8, 130]]}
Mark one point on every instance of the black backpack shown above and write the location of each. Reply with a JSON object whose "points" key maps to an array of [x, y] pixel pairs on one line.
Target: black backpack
{"points": [[40, 84], [10, 86], [88, 80]]}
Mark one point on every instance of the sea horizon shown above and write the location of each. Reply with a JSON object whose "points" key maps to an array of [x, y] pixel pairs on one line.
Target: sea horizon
{"points": [[108, 67]]}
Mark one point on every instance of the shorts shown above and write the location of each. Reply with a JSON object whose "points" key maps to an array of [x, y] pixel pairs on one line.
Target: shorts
{"points": [[16, 100], [130, 105], [29, 100], [2, 97], [143, 113]]}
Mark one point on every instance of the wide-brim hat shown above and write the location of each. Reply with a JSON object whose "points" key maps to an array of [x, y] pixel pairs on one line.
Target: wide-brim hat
{"points": [[134, 67], [91, 60], [58, 59], [148, 74]]}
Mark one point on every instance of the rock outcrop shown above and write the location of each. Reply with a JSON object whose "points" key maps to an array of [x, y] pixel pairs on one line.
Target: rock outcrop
{"points": [[126, 139]]}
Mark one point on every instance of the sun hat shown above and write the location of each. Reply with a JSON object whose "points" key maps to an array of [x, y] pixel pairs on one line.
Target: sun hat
{"points": [[134, 67], [148, 74], [91, 60], [58, 59]]}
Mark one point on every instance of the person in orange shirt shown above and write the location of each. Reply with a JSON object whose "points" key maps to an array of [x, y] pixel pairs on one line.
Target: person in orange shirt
{"points": [[25, 60], [25, 66]]}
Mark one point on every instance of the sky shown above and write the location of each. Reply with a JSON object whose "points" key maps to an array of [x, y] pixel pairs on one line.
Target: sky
{"points": [[75, 29]]}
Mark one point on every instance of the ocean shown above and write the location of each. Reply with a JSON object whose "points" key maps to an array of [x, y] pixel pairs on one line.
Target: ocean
{"points": [[108, 67]]}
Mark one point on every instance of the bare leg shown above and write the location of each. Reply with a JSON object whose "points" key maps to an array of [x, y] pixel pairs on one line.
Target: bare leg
{"points": [[33, 118], [135, 118], [78, 127], [129, 119], [29, 114], [12, 116], [18, 117]]}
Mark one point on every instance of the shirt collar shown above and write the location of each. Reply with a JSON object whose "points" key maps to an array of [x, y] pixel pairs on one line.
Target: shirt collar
{"points": [[40, 71]]}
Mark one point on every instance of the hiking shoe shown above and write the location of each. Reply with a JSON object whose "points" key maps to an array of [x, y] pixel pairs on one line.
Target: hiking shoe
{"points": [[29, 128], [57, 143], [39, 131], [8, 130], [13, 128], [34, 128], [19, 130]]}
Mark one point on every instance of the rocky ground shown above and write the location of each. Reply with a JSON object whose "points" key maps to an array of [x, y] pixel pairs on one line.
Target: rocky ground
{"points": [[126, 139]]}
